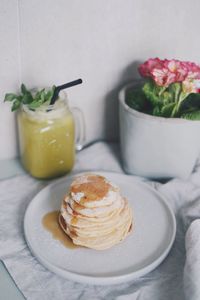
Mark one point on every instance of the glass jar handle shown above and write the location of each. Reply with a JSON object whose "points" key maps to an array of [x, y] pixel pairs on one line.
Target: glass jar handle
{"points": [[79, 127]]}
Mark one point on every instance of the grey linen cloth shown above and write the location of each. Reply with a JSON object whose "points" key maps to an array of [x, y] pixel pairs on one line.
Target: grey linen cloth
{"points": [[179, 270]]}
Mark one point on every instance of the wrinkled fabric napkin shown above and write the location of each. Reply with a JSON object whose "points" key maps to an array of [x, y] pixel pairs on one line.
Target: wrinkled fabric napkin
{"points": [[179, 272], [192, 265]]}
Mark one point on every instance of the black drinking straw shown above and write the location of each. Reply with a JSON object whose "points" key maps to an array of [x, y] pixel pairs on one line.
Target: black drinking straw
{"points": [[62, 87]]}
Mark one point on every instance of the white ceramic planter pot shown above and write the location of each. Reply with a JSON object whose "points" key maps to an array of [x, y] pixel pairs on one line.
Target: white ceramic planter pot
{"points": [[156, 147]]}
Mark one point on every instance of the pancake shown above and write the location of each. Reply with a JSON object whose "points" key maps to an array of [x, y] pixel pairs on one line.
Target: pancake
{"points": [[94, 214], [92, 190]]}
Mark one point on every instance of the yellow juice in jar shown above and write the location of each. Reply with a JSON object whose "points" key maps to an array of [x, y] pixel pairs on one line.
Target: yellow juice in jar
{"points": [[47, 141]]}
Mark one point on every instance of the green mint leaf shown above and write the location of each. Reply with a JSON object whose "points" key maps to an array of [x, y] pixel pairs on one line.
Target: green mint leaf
{"points": [[34, 104], [16, 105], [19, 98], [10, 97], [37, 95], [23, 89], [49, 95], [27, 98], [42, 97]]}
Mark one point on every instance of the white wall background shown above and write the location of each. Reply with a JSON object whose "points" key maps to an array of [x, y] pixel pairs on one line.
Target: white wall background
{"points": [[51, 42]]}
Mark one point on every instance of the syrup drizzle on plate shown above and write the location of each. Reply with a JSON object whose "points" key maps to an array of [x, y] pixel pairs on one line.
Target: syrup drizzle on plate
{"points": [[51, 224]]}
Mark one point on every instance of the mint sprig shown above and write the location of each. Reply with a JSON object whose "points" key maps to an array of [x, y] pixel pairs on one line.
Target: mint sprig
{"points": [[26, 97]]}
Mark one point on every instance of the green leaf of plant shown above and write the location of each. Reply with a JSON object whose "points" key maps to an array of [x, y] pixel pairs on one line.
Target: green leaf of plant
{"points": [[23, 89], [167, 109], [49, 95], [10, 97], [27, 98], [19, 98], [157, 111], [42, 97], [16, 105], [195, 115], [174, 90], [136, 99], [151, 92], [163, 99], [34, 104], [37, 95], [166, 98], [191, 102]]}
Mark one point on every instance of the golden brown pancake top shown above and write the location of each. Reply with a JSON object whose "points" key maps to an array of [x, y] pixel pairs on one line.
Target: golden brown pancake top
{"points": [[94, 189]]}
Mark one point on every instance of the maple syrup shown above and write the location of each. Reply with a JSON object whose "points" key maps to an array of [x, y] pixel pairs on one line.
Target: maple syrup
{"points": [[51, 224]]}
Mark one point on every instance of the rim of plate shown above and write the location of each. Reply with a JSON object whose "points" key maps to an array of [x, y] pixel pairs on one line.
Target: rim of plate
{"points": [[102, 280]]}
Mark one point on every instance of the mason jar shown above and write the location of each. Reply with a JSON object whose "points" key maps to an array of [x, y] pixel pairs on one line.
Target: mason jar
{"points": [[49, 137]]}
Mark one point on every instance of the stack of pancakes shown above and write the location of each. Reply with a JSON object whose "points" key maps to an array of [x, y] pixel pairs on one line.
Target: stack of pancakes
{"points": [[94, 214]]}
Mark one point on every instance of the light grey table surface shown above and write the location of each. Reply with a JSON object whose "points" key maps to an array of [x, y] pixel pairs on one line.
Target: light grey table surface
{"points": [[8, 289]]}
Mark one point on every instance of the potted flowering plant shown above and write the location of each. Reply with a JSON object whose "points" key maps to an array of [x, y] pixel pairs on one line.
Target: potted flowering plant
{"points": [[159, 119]]}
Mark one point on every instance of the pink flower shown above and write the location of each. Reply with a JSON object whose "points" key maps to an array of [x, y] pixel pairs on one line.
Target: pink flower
{"points": [[164, 72], [147, 67], [193, 75], [176, 67], [163, 77], [189, 86], [197, 85], [192, 67], [193, 70]]}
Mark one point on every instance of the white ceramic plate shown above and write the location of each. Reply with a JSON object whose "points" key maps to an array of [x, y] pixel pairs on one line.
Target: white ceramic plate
{"points": [[143, 250]]}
